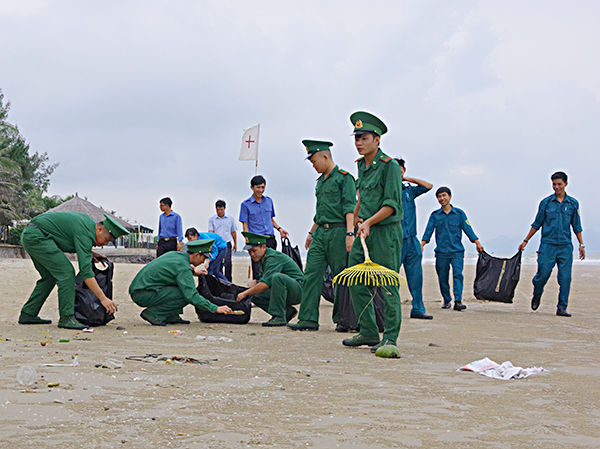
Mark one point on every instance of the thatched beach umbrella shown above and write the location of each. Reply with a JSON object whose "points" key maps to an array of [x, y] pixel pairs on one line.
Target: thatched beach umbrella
{"points": [[77, 204]]}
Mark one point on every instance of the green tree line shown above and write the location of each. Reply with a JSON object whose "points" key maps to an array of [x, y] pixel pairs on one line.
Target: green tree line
{"points": [[24, 178]]}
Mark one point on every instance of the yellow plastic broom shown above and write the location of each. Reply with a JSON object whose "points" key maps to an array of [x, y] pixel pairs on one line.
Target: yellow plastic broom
{"points": [[367, 273]]}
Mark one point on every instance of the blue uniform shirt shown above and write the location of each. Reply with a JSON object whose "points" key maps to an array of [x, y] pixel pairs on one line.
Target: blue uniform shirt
{"points": [[448, 230], [219, 244], [170, 226], [409, 222], [556, 219], [258, 215]]}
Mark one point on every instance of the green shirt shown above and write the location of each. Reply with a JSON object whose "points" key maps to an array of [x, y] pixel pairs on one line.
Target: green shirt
{"points": [[171, 269], [336, 197], [274, 262], [380, 184], [73, 232]]}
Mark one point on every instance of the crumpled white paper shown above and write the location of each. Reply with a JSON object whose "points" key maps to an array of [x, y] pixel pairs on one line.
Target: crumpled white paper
{"points": [[506, 371], [211, 338]]}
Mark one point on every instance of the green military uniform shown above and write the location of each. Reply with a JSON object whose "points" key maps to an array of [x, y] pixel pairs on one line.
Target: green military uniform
{"points": [[166, 285], [284, 279], [46, 238], [336, 197], [378, 185]]}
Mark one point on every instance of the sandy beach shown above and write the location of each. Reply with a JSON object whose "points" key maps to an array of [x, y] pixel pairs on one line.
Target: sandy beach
{"points": [[278, 388]]}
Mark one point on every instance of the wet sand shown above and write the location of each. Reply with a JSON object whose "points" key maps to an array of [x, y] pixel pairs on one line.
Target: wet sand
{"points": [[275, 387]]}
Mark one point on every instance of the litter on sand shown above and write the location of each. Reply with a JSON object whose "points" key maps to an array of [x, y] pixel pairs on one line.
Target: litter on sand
{"points": [[174, 360], [75, 362], [211, 338], [505, 371]]}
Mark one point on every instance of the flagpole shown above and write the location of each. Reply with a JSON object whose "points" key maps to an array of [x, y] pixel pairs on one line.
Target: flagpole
{"points": [[257, 142]]}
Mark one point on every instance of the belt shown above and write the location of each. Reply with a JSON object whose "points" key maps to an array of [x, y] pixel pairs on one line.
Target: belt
{"points": [[333, 225], [166, 239]]}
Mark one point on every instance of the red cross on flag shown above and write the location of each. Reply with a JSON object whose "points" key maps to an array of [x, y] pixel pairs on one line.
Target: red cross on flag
{"points": [[249, 151]]}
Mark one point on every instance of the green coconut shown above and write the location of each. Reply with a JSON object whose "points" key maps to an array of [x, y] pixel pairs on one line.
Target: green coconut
{"points": [[388, 352]]}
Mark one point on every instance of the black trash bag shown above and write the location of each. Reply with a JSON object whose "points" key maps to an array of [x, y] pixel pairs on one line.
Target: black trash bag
{"points": [[293, 253], [223, 293], [496, 278], [328, 291], [88, 308], [346, 314]]}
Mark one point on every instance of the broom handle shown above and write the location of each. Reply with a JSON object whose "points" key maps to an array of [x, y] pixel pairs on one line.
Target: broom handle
{"points": [[364, 245]]}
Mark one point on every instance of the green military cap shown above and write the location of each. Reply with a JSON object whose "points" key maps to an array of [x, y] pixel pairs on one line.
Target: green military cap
{"points": [[199, 246], [367, 123], [253, 239], [115, 229], [314, 146]]}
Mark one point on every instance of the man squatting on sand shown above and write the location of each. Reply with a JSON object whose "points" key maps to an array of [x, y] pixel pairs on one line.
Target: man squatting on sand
{"points": [[166, 285]]}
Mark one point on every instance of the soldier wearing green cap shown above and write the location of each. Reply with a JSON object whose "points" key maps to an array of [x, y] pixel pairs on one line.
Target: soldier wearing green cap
{"points": [[46, 238], [279, 286], [378, 216], [166, 285], [332, 234]]}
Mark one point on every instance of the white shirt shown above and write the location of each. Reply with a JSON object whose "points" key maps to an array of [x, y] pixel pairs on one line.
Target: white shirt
{"points": [[223, 226]]}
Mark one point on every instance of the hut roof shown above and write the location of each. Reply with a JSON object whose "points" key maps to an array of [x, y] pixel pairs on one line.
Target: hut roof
{"points": [[78, 204]]}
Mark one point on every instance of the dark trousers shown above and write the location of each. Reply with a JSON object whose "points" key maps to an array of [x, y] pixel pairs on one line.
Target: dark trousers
{"points": [[164, 246], [271, 243], [226, 264], [214, 267]]}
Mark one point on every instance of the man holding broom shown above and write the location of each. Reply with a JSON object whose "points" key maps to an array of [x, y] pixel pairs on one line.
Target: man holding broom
{"points": [[378, 215]]}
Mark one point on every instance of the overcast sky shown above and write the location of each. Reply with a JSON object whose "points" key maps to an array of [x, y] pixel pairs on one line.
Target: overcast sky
{"points": [[138, 100]]}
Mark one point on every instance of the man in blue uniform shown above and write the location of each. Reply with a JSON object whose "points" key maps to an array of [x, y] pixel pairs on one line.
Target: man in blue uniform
{"points": [[257, 215], [556, 215], [412, 255], [170, 229], [449, 223]]}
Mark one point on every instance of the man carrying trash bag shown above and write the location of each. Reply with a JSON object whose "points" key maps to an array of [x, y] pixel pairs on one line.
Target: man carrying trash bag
{"points": [[166, 285], [279, 286], [46, 238], [331, 236]]}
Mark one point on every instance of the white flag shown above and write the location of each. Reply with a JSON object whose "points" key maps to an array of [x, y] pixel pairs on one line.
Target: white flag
{"points": [[249, 151]]}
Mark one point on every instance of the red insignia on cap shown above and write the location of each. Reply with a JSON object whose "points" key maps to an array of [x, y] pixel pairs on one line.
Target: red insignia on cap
{"points": [[358, 124]]}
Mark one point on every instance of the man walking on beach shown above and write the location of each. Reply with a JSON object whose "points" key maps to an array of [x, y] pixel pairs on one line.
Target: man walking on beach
{"points": [[170, 229], [449, 223], [257, 215], [279, 287], [378, 215], [46, 238], [224, 225], [412, 256], [557, 214], [166, 285], [332, 233]]}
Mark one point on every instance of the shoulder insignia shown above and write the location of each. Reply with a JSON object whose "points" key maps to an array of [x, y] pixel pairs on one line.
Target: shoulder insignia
{"points": [[343, 172], [385, 159], [359, 159], [467, 222]]}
